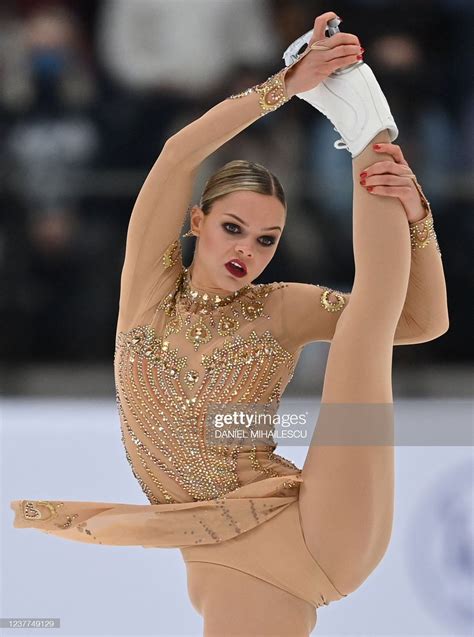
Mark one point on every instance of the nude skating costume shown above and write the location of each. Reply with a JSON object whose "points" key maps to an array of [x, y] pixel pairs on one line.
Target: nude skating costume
{"points": [[179, 349]]}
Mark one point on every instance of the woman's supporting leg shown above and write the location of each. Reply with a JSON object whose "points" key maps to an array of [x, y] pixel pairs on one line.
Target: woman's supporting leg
{"points": [[234, 603], [346, 500]]}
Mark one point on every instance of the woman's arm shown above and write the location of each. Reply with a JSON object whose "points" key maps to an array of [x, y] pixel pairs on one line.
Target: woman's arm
{"points": [[425, 313], [153, 251], [311, 312]]}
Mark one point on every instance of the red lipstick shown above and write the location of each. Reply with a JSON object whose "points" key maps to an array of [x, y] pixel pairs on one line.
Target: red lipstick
{"points": [[236, 267]]}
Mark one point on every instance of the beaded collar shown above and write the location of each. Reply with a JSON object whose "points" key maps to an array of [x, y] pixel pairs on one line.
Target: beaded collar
{"points": [[204, 302]]}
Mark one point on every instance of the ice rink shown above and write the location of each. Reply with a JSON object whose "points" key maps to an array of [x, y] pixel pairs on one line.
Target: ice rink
{"points": [[71, 449]]}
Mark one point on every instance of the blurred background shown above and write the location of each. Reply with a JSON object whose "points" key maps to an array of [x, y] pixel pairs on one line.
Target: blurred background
{"points": [[89, 93], [91, 90]]}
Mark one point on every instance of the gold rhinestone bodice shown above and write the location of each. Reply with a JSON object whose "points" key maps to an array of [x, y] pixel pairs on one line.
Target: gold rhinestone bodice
{"points": [[195, 352]]}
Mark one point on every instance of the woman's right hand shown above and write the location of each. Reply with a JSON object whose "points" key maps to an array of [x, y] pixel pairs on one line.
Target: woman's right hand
{"points": [[316, 65]]}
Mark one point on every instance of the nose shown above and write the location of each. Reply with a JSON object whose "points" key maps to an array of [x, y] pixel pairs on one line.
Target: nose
{"points": [[244, 251]]}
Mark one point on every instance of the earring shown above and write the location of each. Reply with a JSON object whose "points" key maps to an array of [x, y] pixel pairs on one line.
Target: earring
{"points": [[189, 233]]}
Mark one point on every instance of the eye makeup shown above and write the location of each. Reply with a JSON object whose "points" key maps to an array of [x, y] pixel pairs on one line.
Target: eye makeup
{"points": [[267, 237]]}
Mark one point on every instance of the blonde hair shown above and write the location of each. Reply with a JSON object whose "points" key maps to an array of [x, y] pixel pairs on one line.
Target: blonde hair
{"points": [[240, 175]]}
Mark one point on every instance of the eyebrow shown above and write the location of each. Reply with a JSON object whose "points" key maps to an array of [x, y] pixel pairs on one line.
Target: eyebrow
{"points": [[230, 214]]}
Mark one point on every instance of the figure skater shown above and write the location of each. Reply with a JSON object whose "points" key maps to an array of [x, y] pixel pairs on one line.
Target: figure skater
{"points": [[265, 543]]}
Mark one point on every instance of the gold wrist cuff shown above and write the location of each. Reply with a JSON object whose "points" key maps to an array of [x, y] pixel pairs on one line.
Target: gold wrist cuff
{"points": [[422, 231], [271, 94]]}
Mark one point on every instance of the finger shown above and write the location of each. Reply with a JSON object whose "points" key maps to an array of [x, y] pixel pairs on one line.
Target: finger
{"points": [[342, 38], [391, 149], [336, 40], [386, 180], [338, 63], [387, 166], [342, 51], [320, 25], [390, 191]]}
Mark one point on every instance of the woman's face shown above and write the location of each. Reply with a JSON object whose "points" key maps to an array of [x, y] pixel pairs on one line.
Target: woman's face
{"points": [[242, 225]]}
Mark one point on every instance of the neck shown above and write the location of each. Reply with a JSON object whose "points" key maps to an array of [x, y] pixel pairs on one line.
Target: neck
{"points": [[198, 284]]}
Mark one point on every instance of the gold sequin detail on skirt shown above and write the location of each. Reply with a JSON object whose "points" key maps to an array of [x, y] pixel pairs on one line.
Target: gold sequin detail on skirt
{"points": [[31, 510]]}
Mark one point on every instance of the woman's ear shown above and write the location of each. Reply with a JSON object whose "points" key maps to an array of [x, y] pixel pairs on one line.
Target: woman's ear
{"points": [[196, 219]]}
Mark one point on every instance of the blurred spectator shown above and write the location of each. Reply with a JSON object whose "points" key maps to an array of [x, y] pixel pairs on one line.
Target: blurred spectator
{"points": [[48, 93], [46, 90], [167, 58], [44, 64], [183, 45]]}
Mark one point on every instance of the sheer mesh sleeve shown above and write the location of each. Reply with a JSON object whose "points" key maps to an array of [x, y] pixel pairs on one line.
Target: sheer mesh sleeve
{"points": [[310, 312]]}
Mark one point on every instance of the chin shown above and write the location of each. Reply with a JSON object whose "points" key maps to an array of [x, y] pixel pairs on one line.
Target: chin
{"points": [[234, 284]]}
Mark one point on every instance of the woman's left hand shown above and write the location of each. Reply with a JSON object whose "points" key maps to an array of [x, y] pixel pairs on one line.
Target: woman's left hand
{"points": [[394, 179]]}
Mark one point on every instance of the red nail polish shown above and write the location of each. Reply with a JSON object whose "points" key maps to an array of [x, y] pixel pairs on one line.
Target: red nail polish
{"points": [[362, 49], [359, 57], [362, 175], [362, 183], [377, 146], [370, 188]]}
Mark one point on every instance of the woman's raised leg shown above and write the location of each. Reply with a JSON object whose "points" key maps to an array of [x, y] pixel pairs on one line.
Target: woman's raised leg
{"points": [[346, 500]]}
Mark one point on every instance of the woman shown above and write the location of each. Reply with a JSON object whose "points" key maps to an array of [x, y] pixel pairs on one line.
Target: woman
{"points": [[252, 527]]}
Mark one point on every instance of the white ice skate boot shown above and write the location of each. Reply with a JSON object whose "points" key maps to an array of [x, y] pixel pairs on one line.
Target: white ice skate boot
{"points": [[351, 99]]}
